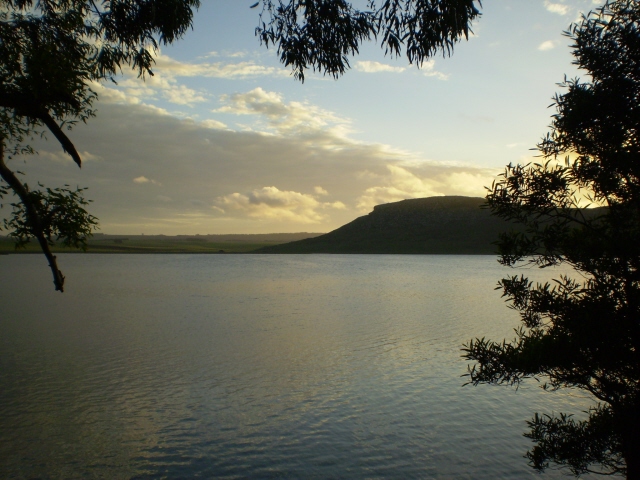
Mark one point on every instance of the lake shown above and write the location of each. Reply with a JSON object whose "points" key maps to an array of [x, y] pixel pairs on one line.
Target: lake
{"points": [[258, 366]]}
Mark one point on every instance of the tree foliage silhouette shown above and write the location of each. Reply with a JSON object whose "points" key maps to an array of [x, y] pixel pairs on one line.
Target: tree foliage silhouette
{"points": [[322, 34], [51, 51], [581, 333]]}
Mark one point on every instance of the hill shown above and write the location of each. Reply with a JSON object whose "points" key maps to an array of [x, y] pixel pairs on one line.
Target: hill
{"points": [[434, 225]]}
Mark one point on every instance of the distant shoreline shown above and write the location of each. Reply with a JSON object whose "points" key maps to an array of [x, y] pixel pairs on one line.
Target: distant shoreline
{"points": [[217, 244], [74, 252]]}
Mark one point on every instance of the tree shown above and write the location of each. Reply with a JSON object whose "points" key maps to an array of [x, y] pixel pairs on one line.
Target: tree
{"points": [[51, 51], [583, 333], [322, 34]]}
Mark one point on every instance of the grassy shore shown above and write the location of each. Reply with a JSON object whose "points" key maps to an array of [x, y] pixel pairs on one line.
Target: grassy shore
{"points": [[101, 243]]}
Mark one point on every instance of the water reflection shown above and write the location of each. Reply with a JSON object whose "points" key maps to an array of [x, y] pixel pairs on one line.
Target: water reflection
{"points": [[256, 366]]}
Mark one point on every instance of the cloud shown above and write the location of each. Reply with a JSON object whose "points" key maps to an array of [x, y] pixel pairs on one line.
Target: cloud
{"points": [[181, 95], [174, 68], [134, 90], [226, 181], [142, 179], [63, 157], [428, 70], [210, 123], [467, 183], [108, 95], [401, 183], [375, 67], [270, 203], [557, 8], [112, 95], [548, 45], [165, 83], [293, 118]]}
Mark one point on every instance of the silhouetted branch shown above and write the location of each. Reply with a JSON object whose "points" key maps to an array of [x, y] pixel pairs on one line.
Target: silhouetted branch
{"points": [[34, 219], [24, 106]]}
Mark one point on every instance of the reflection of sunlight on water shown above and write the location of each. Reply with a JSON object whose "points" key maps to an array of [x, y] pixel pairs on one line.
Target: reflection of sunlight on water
{"points": [[294, 366]]}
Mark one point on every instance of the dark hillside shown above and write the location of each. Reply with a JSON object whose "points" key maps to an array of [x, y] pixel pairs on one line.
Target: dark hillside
{"points": [[454, 225]]}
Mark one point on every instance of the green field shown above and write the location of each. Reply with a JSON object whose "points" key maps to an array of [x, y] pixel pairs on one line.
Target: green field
{"points": [[435, 225], [166, 244]]}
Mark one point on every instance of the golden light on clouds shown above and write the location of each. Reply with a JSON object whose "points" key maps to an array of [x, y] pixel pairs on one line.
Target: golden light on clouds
{"points": [[222, 139]]}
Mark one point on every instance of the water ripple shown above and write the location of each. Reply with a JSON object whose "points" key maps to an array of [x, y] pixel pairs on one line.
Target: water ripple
{"points": [[180, 366]]}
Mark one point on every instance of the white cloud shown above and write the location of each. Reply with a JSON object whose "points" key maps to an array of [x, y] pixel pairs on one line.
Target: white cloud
{"points": [[174, 68], [63, 157], [112, 95], [375, 67], [211, 54], [270, 203], [293, 118], [467, 183], [548, 45], [213, 124], [336, 205], [401, 183], [135, 90], [126, 96], [557, 8], [428, 70], [181, 95], [296, 164], [142, 179], [165, 81]]}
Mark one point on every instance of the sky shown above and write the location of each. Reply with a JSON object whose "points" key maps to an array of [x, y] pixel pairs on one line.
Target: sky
{"points": [[223, 139]]}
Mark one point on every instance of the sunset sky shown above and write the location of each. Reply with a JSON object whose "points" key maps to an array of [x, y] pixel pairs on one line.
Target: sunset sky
{"points": [[223, 139]]}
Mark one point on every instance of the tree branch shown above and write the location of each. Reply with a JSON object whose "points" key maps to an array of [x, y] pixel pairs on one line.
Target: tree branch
{"points": [[67, 145], [24, 106], [35, 220]]}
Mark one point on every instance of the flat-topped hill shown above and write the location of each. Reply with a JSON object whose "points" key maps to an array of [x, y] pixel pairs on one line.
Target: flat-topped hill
{"points": [[434, 225]]}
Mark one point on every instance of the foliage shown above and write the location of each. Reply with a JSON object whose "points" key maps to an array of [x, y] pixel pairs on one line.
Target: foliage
{"points": [[50, 54], [577, 444], [322, 34], [583, 333], [62, 216], [52, 51]]}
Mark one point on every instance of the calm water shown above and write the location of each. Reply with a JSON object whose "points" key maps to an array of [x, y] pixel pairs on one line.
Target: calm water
{"points": [[240, 366]]}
